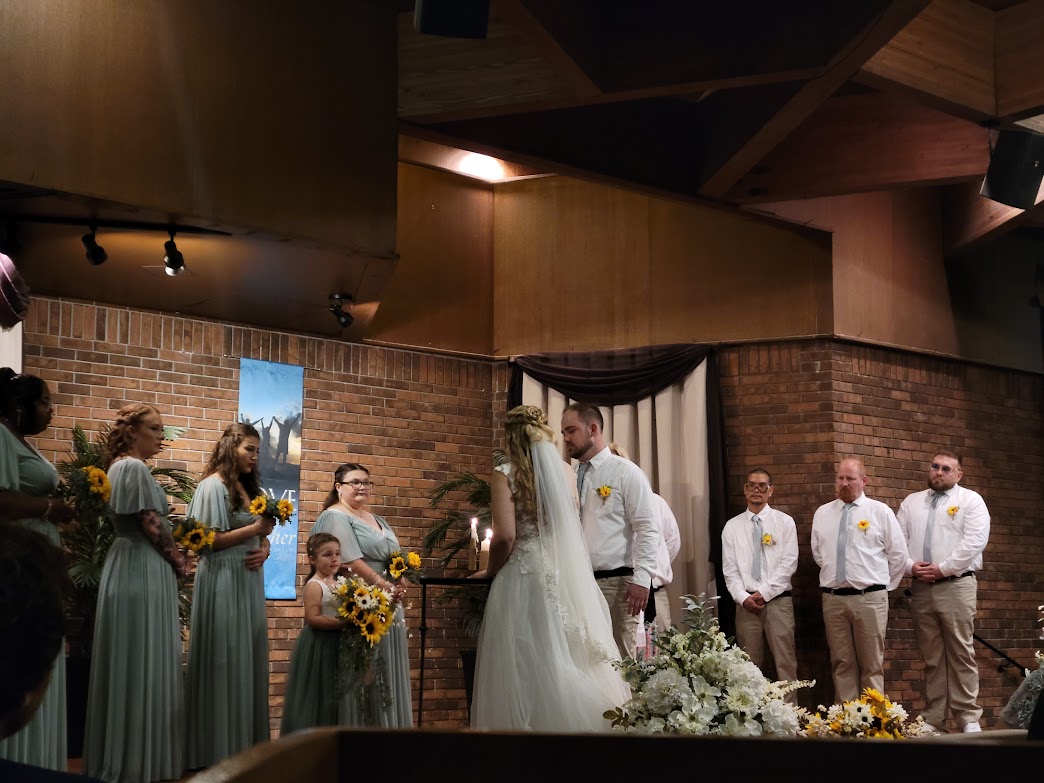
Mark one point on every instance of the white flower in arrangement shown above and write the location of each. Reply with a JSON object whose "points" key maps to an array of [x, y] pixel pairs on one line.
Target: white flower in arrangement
{"points": [[698, 683]]}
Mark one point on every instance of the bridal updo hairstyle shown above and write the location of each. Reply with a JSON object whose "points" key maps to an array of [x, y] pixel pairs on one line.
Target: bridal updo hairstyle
{"points": [[525, 424], [119, 440]]}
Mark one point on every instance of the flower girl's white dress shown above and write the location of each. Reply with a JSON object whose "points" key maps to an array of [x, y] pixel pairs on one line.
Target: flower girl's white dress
{"points": [[546, 646]]}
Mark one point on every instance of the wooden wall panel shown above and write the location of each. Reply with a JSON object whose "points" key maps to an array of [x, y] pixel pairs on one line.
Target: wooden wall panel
{"points": [[889, 283], [440, 295], [251, 116], [582, 266]]}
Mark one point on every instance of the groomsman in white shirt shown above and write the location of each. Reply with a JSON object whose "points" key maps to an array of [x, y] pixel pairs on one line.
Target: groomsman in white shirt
{"points": [[947, 527], [658, 610], [759, 558], [619, 520], [862, 555]]}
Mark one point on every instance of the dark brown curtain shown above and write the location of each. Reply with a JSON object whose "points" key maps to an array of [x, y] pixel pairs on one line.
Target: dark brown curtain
{"points": [[627, 376]]}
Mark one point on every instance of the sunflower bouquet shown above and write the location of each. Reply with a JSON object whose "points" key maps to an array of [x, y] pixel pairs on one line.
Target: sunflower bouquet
{"points": [[265, 506], [193, 535], [88, 486], [871, 716], [367, 612], [403, 565]]}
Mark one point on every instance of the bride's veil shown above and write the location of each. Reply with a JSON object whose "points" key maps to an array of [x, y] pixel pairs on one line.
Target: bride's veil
{"points": [[568, 579]]}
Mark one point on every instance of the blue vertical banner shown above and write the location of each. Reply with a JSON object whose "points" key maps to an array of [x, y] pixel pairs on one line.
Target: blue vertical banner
{"points": [[271, 399]]}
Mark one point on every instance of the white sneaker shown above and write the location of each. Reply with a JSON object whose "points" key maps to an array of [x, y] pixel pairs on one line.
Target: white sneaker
{"points": [[971, 727]]}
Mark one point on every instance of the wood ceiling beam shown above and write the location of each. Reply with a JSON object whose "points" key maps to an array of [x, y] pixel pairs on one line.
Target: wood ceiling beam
{"points": [[1020, 77], [729, 163], [522, 19], [858, 143], [970, 220], [944, 57]]}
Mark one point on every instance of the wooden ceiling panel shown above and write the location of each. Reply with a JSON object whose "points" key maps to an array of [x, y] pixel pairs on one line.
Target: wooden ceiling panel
{"points": [[858, 143], [944, 56]]}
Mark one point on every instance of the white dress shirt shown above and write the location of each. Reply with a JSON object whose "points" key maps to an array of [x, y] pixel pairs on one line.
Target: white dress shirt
{"points": [[779, 559], [622, 529], [877, 555], [670, 544], [958, 538]]}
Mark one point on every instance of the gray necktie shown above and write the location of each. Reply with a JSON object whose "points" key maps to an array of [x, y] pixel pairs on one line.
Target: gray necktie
{"points": [[842, 543], [929, 526], [580, 471], [755, 568]]}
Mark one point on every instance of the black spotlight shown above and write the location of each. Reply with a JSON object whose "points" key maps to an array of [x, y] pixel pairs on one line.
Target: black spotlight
{"points": [[1016, 169], [336, 303], [172, 258], [95, 253]]}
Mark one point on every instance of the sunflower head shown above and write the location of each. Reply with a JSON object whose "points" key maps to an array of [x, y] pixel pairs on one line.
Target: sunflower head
{"points": [[258, 505], [413, 560], [397, 567], [285, 509]]}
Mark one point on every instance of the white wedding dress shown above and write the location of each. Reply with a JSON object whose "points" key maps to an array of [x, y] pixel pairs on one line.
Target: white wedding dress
{"points": [[546, 646]]}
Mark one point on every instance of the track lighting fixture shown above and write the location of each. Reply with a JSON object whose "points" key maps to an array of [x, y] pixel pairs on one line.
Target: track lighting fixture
{"points": [[172, 258], [95, 253], [336, 307]]}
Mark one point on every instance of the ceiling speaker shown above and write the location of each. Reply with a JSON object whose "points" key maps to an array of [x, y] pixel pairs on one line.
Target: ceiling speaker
{"points": [[1015, 170], [452, 18]]}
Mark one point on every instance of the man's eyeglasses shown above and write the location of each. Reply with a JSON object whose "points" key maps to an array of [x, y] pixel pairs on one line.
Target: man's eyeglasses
{"points": [[761, 485], [943, 468], [356, 484]]}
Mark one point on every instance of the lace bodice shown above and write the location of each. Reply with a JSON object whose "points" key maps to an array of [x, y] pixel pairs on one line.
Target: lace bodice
{"points": [[525, 524]]}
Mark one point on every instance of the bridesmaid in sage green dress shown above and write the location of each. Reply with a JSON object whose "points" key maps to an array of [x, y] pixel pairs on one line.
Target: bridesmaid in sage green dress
{"points": [[135, 702], [27, 480], [366, 542], [228, 635]]}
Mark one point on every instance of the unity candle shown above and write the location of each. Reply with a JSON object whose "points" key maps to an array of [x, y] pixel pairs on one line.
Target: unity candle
{"points": [[484, 551]]}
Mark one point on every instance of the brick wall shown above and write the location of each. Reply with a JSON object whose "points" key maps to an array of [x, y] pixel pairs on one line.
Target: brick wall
{"points": [[798, 408], [414, 419], [417, 419]]}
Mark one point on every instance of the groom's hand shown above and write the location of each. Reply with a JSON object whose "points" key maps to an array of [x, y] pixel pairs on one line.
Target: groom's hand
{"points": [[637, 598]]}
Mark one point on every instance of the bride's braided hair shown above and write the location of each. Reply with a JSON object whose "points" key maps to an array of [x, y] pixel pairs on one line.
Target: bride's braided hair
{"points": [[524, 425]]}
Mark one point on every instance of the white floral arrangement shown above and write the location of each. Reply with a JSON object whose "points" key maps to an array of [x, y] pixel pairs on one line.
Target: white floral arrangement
{"points": [[695, 682]]}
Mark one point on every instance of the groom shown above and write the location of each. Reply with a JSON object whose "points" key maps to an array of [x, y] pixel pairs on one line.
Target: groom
{"points": [[619, 521]]}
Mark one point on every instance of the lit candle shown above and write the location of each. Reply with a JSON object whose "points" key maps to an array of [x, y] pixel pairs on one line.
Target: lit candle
{"points": [[484, 551], [473, 545]]}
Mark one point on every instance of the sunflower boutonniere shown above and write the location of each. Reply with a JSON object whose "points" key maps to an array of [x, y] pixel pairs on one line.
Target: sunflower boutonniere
{"points": [[952, 511], [767, 540], [604, 492], [864, 525]]}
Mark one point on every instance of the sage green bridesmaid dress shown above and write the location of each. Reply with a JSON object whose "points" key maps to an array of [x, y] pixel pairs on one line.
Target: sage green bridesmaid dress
{"points": [[227, 693], [42, 742], [135, 702]]}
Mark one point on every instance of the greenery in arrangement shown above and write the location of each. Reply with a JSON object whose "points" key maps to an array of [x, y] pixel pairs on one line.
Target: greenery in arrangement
{"points": [[697, 682], [88, 541]]}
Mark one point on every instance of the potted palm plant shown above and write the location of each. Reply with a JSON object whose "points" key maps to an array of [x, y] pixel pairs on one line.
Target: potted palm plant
{"points": [[451, 535]]}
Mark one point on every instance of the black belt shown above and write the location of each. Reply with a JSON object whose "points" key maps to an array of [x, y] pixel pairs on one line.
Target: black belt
{"points": [[784, 594], [622, 571], [951, 578], [657, 589], [852, 590]]}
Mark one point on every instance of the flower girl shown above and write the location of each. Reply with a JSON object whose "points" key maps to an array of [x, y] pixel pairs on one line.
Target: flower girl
{"points": [[311, 688]]}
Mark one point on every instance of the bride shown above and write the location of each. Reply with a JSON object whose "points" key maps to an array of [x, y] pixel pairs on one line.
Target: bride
{"points": [[546, 649]]}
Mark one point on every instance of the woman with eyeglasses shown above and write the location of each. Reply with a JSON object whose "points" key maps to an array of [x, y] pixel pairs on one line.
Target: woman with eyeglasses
{"points": [[366, 544]]}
